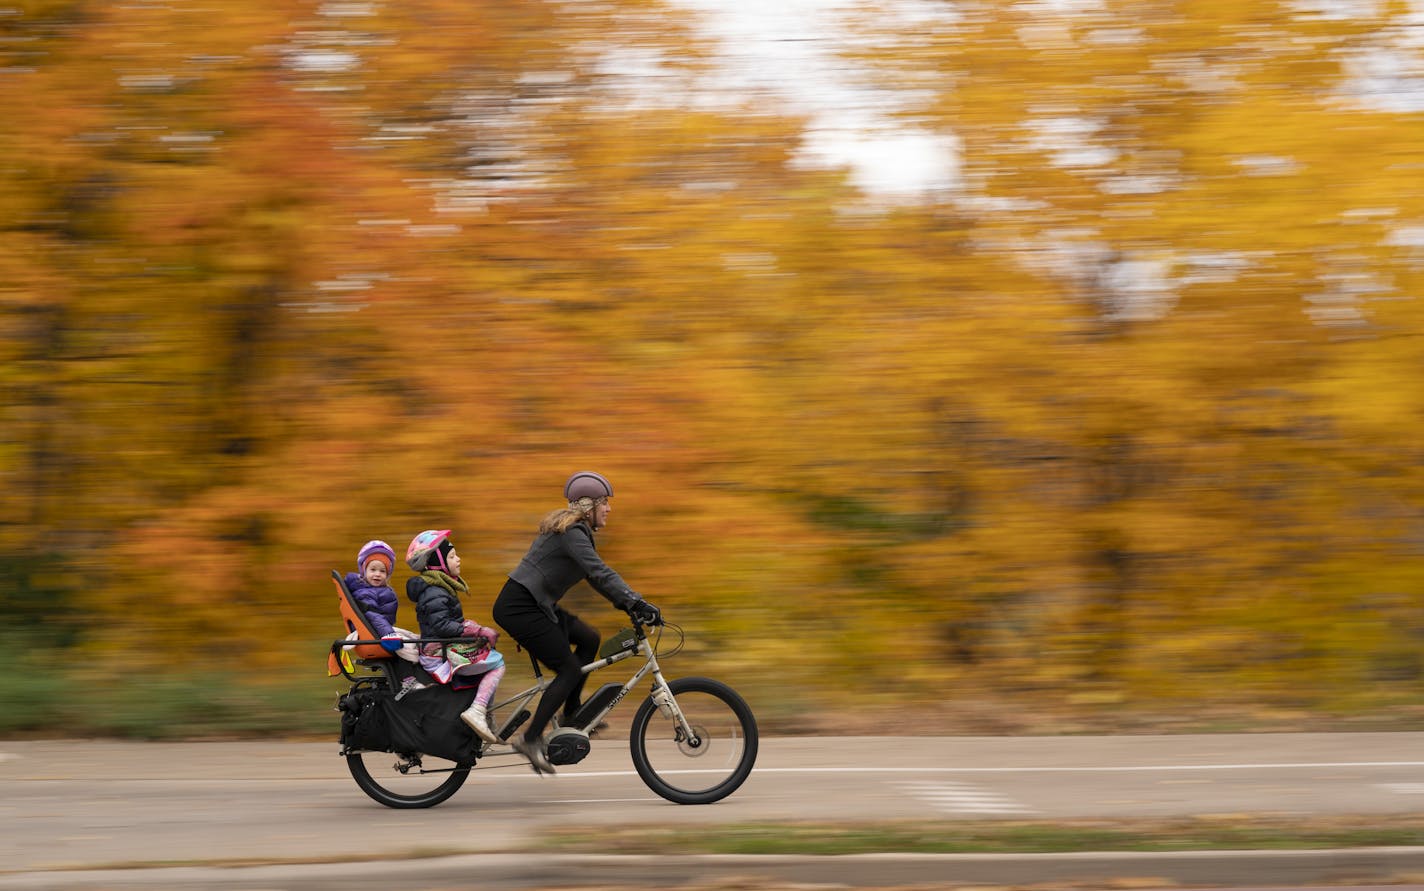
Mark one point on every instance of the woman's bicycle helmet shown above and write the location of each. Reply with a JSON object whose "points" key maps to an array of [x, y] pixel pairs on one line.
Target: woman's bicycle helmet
{"points": [[425, 546], [587, 484]]}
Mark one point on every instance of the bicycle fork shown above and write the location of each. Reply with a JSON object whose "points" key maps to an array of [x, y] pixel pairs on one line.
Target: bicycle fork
{"points": [[684, 733]]}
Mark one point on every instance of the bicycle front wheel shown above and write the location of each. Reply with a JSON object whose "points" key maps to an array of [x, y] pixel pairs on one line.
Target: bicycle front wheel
{"points": [[714, 762], [406, 781]]}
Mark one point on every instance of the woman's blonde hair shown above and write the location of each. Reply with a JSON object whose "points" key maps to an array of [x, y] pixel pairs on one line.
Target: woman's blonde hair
{"points": [[562, 519]]}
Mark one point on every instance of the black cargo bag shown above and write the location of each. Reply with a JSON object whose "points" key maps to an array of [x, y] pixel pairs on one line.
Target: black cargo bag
{"points": [[422, 721]]}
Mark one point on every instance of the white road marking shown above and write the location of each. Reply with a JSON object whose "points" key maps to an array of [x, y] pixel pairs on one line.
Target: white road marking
{"points": [[566, 774], [592, 800], [1403, 788], [1147, 768], [1143, 768], [964, 798]]}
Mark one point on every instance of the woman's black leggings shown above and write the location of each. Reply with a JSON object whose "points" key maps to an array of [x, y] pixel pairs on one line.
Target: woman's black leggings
{"points": [[564, 647]]}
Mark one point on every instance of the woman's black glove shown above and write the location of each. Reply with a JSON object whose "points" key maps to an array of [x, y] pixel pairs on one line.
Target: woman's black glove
{"points": [[644, 613]]}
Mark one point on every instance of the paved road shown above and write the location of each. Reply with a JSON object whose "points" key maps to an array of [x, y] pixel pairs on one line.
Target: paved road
{"points": [[88, 805]]}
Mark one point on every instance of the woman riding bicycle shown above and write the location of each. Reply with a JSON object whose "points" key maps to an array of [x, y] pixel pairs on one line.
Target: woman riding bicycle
{"points": [[527, 608]]}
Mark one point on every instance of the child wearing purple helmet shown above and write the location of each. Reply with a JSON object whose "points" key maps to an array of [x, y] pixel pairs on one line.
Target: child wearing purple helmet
{"points": [[369, 587]]}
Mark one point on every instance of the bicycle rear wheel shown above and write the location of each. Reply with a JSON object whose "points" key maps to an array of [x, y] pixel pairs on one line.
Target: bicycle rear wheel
{"points": [[711, 765], [406, 781]]}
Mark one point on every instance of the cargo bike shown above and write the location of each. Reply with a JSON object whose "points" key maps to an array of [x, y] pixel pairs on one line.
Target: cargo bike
{"points": [[692, 740]]}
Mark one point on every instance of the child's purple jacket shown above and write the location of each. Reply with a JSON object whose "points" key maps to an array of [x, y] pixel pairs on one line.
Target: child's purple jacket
{"points": [[379, 604]]}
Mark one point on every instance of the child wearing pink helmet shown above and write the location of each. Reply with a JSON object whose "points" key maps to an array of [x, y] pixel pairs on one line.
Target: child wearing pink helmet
{"points": [[436, 591]]}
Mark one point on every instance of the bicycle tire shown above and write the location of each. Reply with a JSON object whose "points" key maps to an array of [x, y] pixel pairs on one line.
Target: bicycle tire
{"points": [[674, 768], [384, 791]]}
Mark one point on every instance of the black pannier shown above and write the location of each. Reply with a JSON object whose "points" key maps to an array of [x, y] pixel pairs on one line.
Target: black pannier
{"points": [[425, 721]]}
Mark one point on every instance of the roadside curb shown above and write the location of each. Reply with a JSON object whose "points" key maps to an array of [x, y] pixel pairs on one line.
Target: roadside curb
{"points": [[530, 871]]}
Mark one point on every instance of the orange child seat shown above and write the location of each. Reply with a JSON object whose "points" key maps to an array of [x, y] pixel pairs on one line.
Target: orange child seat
{"points": [[355, 619]]}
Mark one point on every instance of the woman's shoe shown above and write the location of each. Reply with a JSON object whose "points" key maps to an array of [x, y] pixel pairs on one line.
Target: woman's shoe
{"points": [[534, 751]]}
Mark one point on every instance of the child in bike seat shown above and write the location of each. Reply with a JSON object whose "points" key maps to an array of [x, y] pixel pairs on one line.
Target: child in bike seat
{"points": [[378, 601], [436, 591], [369, 587]]}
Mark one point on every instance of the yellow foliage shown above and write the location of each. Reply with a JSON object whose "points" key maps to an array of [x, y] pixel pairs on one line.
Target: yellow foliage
{"points": [[1132, 417]]}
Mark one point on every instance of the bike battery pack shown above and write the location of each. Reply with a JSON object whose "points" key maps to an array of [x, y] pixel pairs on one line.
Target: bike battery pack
{"points": [[595, 704]]}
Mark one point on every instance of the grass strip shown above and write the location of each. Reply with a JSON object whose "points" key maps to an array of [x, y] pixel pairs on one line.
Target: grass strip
{"points": [[1217, 833]]}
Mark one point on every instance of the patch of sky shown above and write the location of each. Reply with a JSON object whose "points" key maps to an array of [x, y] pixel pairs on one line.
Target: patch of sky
{"points": [[789, 57]]}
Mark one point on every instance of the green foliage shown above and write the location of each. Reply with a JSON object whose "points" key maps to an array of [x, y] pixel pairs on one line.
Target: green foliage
{"points": [[152, 706], [36, 697]]}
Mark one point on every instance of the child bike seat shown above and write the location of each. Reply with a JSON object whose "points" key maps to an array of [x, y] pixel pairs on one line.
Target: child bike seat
{"points": [[355, 620]]}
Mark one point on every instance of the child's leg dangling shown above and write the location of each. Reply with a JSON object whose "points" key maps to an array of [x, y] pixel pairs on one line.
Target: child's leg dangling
{"points": [[475, 715]]}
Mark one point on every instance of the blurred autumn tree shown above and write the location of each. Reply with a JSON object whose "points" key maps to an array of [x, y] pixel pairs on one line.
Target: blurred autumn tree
{"points": [[1129, 420]]}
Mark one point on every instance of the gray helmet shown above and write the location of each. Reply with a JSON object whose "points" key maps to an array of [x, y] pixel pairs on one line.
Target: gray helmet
{"points": [[587, 484]]}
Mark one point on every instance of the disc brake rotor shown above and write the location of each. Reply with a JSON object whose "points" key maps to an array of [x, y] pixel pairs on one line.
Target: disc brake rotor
{"points": [[686, 746]]}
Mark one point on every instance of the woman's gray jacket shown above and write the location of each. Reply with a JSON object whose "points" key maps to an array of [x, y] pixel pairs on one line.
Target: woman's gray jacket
{"points": [[557, 561]]}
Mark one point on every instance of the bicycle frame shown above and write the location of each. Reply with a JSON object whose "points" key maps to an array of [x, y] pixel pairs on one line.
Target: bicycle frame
{"points": [[661, 694]]}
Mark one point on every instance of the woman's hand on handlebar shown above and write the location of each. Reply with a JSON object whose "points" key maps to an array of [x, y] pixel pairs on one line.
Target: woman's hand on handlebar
{"points": [[644, 613]]}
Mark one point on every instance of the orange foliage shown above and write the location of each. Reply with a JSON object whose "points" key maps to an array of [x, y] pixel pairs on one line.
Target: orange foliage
{"points": [[1139, 418]]}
